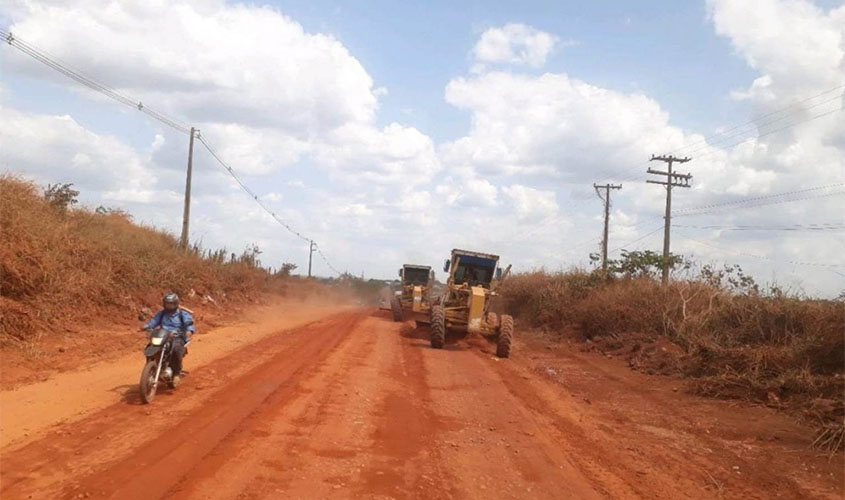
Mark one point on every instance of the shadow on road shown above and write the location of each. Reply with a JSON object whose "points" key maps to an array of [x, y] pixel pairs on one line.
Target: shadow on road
{"points": [[129, 394]]}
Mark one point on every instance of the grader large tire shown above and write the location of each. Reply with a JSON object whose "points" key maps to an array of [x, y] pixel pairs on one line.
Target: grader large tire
{"points": [[492, 320], [438, 327], [396, 308], [503, 344]]}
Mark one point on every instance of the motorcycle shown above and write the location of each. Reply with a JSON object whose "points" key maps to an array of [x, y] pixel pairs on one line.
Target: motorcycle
{"points": [[157, 368]]}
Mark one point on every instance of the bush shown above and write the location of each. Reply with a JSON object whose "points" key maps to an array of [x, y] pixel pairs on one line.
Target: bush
{"points": [[731, 339], [59, 265]]}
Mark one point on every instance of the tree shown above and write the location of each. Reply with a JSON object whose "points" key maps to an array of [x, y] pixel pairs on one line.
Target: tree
{"points": [[287, 268], [642, 263], [731, 277], [61, 196]]}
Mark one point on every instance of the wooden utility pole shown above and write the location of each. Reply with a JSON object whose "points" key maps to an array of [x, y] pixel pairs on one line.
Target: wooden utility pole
{"points": [[186, 213], [672, 180], [310, 255], [606, 200]]}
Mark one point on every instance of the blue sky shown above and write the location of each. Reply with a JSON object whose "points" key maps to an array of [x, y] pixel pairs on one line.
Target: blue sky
{"points": [[466, 147], [666, 49]]}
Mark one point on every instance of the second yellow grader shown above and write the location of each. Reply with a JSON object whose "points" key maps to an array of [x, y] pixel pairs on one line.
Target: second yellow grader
{"points": [[414, 298]]}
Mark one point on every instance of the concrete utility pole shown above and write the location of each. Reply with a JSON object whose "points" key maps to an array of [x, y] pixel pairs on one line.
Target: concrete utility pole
{"points": [[606, 200], [672, 180], [310, 255], [186, 213]]}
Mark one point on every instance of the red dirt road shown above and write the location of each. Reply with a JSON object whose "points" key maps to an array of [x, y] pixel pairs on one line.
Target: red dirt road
{"points": [[356, 406]]}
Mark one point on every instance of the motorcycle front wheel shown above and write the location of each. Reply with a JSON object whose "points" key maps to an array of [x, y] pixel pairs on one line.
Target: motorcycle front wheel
{"points": [[148, 383]]}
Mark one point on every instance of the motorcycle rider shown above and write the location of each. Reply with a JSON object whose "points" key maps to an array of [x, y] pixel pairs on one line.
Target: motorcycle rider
{"points": [[172, 317]]}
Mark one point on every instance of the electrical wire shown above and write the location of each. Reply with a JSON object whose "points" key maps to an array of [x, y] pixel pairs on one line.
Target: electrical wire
{"points": [[833, 226], [756, 205], [758, 198], [326, 260], [620, 247], [754, 121], [761, 257], [91, 83], [46, 59]]}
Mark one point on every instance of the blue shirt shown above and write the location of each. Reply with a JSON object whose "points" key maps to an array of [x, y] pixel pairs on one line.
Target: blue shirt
{"points": [[178, 320]]}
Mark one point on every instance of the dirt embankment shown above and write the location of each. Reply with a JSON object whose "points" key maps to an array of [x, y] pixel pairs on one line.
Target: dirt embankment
{"points": [[74, 281], [61, 265]]}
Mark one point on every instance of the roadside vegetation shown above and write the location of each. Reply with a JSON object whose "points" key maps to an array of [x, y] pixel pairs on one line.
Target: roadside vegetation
{"points": [[65, 265], [716, 327]]}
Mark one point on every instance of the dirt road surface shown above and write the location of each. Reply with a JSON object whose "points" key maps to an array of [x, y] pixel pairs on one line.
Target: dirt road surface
{"points": [[352, 405]]}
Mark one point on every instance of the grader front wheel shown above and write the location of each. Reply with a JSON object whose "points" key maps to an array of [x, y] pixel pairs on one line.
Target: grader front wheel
{"points": [[503, 344], [438, 327]]}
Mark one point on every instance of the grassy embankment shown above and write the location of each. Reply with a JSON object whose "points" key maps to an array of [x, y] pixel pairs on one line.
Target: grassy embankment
{"points": [[729, 340]]}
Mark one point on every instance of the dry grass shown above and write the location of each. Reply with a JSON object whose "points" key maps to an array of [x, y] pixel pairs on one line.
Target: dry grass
{"points": [[61, 265], [785, 352]]}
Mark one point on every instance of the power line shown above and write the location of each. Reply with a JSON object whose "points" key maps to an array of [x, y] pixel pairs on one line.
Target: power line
{"points": [[121, 98], [326, 260], [762, 204], [93, 84], [834, 226], [759, 126], [812, 118], [620, 247], [753, 121], [672, 179], [762, 257], [762, 197], [606, 200], [249, 191]]}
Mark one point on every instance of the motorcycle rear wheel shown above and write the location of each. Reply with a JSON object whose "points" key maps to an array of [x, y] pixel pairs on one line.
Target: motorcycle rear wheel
{"points": [[148, 385]]}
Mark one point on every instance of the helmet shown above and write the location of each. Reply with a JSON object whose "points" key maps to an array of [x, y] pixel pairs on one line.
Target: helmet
{"points": [[170, 298]]}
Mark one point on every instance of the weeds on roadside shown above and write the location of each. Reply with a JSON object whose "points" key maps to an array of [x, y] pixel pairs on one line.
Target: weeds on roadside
{"points": [[734, 339]]}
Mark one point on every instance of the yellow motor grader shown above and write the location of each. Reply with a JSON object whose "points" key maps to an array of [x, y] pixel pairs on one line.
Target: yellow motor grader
{"points": [[414, 298], [469, 301]]}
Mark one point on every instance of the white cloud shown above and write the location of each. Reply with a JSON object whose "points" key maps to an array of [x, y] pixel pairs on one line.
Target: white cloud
{"points": [[396, 154], [264, 91], [205, 60], [794, 43], [468, 192], [529, 202], [515, 43], [54, 149], [296, 114], [554, 125]]}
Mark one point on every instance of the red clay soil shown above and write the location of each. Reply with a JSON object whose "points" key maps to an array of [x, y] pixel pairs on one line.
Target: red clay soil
{"points": [[357, 406], [105, 334]]}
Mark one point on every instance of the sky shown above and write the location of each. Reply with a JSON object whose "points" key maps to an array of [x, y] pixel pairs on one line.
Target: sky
{"points": [[392, 132]]}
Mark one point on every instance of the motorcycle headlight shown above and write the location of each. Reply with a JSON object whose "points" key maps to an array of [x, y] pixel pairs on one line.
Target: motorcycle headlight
{"points": [[156, 340]]}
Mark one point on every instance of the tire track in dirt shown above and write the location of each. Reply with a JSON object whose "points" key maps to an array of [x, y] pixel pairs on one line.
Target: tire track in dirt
{"points": [[357, 427], [357, 406], [408, 462], [636, 435], [492, 447], [148, 447], [278, 445]]}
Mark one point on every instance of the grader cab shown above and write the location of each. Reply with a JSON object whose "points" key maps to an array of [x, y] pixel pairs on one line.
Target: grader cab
{"points": [[469, 302], [414, 298]]}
